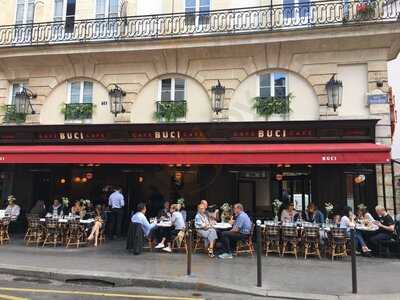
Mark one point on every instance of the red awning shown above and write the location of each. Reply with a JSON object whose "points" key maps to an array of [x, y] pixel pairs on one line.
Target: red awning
{"points": [[249, 154]]}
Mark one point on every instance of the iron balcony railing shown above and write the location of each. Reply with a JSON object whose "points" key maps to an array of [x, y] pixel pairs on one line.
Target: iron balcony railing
{"points": [[78, 111], [228, 21], [170, 111]]}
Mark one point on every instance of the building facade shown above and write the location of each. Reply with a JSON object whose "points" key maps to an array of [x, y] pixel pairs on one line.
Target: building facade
{"points": [[167, 56]]}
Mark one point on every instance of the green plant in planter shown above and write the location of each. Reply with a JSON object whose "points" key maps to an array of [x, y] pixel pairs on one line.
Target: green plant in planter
{"points": [[77, 111], [269, 106], [11, 115], [170, 111]]}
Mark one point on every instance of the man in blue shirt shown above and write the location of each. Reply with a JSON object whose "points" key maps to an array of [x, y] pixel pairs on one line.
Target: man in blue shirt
{"points": [[140, 218], [240, 231], [116, 202]]}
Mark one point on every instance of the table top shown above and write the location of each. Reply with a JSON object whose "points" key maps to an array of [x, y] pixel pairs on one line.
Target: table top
{"points": [[367, 228], [164, 224], [88, 221], [222, 226]]}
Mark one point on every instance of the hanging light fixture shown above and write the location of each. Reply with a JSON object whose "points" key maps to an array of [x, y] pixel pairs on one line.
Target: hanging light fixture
{"points": [[116, 96], [218, 98], [334, 89], [23, 103]]}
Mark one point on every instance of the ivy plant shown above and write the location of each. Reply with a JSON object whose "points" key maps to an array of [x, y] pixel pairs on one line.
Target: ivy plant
{"points": [[77, 111], [269, 106], [11, 115], [170, 111]]}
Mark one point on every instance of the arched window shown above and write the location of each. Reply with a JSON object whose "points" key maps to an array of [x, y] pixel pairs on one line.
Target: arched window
{"points": [[172, 89]]}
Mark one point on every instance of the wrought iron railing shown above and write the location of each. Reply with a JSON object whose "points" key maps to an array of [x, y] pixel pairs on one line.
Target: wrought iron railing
{"points": [[170, 111], [229, 21], [78, 111], [11, 115]]}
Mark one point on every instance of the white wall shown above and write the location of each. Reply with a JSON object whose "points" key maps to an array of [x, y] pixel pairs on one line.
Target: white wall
{"points": [[304, 105], [355, 88], [394, 82]]}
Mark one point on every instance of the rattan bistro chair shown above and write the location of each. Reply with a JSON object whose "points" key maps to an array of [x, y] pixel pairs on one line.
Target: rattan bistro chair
{"points": [[272, 239], [53, 234], [35, 232], [76, 235], [338, 242], [4, 234], [311, 241], [246, 246], [289, 240]]}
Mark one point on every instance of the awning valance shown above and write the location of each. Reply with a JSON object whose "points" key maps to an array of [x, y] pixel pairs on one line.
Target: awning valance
{"points": [[241, 154]]}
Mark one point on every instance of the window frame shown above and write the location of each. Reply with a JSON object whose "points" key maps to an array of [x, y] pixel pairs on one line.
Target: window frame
{"points": [[21, 84], [172, 92], [64, 9], [107, 9], [25, 15], [272, 82], [296, 14], [81, 89], [198, 15]]}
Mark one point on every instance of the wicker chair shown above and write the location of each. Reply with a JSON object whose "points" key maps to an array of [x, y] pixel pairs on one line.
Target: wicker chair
{"points": [[53, 234], [199, 243], [338, 243], [289, 240], [35, 232], [30, 229], [76, 235], [4, 235], [246, 246], [272, 239], [180, 245], [311, 242]]}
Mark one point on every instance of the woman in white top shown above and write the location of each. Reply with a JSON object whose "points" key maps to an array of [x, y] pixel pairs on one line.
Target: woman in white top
{"points": [[12, 210], [364, 217], [178, 225], [204, 228], [289, 215], [347, 222]]}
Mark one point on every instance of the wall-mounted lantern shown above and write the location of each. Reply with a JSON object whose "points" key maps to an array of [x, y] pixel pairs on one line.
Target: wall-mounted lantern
{"points": [[23, 103], [334, 88], [218, 98], [116, 99]]}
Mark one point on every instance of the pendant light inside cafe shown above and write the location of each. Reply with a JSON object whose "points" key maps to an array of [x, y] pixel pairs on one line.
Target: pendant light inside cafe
{"points": [[334, 89], [116, 99], [218, 98], [23, 103]]}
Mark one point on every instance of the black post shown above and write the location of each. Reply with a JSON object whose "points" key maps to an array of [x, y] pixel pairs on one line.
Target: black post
{"points": [[353, 261], [189, 252], [259, 250], [394, 190], [383, 185]]}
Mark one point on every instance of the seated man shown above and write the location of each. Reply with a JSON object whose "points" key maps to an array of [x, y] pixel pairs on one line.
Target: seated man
{"points": [[140, 218], [240, 231], [313, 214], [12, 210], [386, 228], [56, 209]]}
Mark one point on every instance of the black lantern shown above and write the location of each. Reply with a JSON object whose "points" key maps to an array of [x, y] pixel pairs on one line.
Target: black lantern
{"points": [[116, 95], [334, 88], [23, 103], [218, 98]]}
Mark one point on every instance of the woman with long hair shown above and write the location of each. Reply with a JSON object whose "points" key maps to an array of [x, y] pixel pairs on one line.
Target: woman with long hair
{"points": [[98, 224]]}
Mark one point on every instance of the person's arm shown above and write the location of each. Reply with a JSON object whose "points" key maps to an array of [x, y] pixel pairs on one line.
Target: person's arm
{"points": [[237, 225], [389, 228], [197, 222], [110, 201], [122, 201]]}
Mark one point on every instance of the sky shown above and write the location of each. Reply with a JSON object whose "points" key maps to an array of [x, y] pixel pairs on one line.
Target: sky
{"points": [[394, 82]]}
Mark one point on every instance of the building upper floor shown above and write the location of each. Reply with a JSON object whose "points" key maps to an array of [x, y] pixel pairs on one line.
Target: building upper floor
{"points": [[49, 22]]}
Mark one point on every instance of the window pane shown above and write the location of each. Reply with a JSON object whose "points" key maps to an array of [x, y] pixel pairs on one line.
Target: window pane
{"points": [[304, 7], [113, 9], [75, 92], [280, 92], [166, 89], [30, 13], [16, 87], [190, 4], [280, 84], [179, 89], [265, 92], [288, 9], [265, 80], [20, 13], [58, 10], [100, 8], [87, 92]]}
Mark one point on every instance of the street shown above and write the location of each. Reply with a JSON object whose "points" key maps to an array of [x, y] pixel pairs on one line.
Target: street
{"points": [[21, 288]]}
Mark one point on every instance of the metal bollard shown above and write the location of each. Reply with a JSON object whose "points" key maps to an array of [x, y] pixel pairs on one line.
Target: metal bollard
{"points": [[353, 261], [189, 253], [259, 250]]}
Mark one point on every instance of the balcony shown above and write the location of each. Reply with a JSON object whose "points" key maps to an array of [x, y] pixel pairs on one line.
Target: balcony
{"points": [[170, 111], [12, 116], [219, 22], [78, 111]]}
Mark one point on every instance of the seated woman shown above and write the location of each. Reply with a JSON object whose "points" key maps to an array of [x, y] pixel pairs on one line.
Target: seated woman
{"points": [[204, 228], [99, 220], [347, 222], [363, 216], [313, 214], [76, 209], [12, 210], [167, 235], [56, 209], [289, 214], [39, 209]]}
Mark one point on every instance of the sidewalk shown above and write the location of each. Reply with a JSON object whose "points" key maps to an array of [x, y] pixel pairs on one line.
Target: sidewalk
{"points": [[280, 275]]}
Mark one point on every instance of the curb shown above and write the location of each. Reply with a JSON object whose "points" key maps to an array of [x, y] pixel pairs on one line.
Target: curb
{"points": [[126, 279]]}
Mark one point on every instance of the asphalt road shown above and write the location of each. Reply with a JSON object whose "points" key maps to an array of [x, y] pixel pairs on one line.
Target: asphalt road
{"points": [[23, 288]]}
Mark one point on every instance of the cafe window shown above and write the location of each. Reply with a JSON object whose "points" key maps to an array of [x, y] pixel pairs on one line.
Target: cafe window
{"points": [[172, 89], [25, 11], [197, 12], [81, 92], [15, 88], [273, 85]]}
